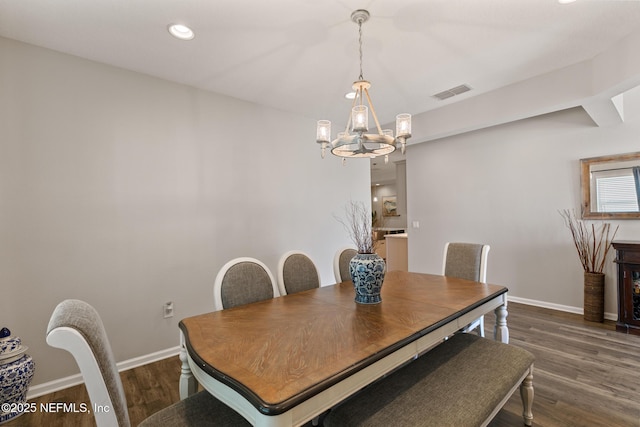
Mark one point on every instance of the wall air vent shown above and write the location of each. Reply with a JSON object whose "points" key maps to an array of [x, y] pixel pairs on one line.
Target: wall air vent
{"points": [[452, 92]]}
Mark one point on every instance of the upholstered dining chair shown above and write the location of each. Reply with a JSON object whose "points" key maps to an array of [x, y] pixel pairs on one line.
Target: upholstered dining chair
{"points": [[467, 261], [341, 264], [243, 281], [297, 273], [76, 327]]}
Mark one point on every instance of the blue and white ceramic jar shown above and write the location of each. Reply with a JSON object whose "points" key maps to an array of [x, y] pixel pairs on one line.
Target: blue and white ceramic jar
{"points": [[16, 372], [367, 272]]}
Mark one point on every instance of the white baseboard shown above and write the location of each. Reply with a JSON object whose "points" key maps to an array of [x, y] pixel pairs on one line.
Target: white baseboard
{"points": [[62, 383], [559, 307]]}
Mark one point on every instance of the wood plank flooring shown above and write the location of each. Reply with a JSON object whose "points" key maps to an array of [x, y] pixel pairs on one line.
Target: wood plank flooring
{"points": [[586, 375], [148, 389]]}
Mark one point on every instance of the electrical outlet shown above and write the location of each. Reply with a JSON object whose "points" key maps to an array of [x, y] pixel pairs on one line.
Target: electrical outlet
{"points": [[168, 309]]}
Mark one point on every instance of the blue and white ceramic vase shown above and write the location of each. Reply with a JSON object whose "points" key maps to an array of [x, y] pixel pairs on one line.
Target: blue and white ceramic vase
{"points": [[16, 373], [367, 272]]}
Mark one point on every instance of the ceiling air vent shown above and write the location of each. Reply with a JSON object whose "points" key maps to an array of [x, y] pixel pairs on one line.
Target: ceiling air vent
{"points": [[452, 92]]}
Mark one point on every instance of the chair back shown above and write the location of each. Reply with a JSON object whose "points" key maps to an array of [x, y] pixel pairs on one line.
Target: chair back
{"points": [[297, 273], [76, 327], [341, 264], [243, 281], [466, 261]]}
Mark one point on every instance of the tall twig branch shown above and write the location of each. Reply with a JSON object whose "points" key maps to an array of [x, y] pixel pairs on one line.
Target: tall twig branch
{"points": [[593, 244], [357, 222]]}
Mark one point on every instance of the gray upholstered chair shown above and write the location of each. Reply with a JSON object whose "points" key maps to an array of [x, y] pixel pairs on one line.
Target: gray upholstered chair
{"points": [[297, 273], [243, 281], [341, 264], [467, 261], [76, 327]]}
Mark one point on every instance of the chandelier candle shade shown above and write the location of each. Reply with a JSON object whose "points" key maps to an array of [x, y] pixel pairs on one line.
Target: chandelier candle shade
{"points": [[355, 141]]}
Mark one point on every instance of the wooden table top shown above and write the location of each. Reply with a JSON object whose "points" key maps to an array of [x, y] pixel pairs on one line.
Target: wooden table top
{"points": [[279, 352]]}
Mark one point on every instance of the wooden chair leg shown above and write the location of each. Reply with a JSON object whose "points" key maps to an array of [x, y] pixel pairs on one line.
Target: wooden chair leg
{"points": [[526, 393]]}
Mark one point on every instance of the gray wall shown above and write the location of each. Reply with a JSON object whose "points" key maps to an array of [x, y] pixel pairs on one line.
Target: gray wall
{"points": [[504, 186], [128, 191]]}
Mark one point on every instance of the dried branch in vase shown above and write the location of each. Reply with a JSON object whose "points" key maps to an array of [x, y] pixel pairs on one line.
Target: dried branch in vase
{"points": [[591, 242], [357, 222]]}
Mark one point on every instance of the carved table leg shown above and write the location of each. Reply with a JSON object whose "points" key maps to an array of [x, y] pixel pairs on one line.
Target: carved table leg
{"points": [[526, 393], [500, 331], [188, 383]]}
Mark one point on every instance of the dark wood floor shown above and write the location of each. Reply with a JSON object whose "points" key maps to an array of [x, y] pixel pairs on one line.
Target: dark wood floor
{"points": [[148, 389], [586, 374]]}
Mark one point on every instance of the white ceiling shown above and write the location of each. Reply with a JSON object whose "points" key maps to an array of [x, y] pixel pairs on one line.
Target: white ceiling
{"points": [[302, 55]]}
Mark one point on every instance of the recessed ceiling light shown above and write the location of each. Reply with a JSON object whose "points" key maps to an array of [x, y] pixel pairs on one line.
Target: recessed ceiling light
{"points": [[566, 1], [181, 31], [350, 95]]}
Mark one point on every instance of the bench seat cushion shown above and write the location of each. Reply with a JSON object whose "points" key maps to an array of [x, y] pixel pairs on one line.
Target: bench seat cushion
{"points": [[458, 383]]}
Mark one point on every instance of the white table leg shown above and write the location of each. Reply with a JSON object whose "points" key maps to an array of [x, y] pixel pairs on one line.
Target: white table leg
{"points": [[188, 383], [500, 331]]}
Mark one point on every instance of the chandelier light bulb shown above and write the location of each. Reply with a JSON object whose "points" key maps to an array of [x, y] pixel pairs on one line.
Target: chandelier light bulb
{"points": [[323, 132], [403, 125], [360, 118]]}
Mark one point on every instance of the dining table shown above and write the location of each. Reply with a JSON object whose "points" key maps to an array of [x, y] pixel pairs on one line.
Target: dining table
{"points": [[287, 360]]}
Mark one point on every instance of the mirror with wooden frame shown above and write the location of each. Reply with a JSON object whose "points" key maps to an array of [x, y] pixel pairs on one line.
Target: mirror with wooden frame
{"points": [[611, 186]]}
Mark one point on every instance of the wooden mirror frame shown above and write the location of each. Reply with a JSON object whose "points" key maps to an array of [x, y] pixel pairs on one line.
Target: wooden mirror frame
{"points": [[585, 183]]}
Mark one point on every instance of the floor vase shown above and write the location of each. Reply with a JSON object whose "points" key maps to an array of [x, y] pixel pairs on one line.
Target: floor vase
{"points": [[594, 297], [367, 272]]}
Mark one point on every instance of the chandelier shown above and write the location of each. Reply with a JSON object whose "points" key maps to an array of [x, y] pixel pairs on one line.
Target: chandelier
{"points": [[355, 141]]}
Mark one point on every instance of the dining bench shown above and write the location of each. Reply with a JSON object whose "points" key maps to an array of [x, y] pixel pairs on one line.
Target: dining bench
{"points": [[464, 381]]}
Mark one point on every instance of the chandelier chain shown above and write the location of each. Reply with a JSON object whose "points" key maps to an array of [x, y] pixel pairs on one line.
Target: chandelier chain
{"points": [[360, 43]]}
